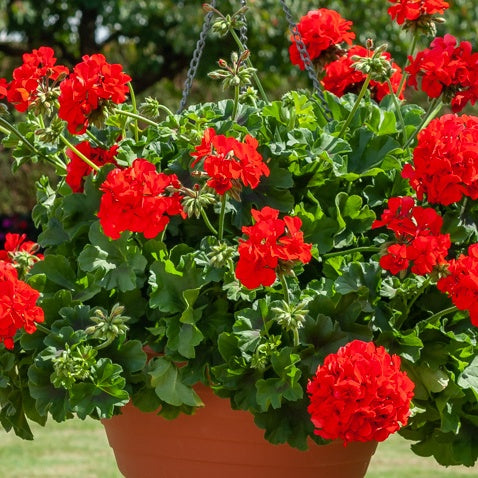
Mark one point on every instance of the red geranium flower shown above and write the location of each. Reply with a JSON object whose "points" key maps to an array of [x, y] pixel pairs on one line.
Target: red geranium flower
{"points": [[18, 309], [412, 10], [93, 85], [419, 240], [341, 77], [18, 250], [229, 163], [461, 282], [77, 169], [447, 69], [3, 88], [136, 199], [35, 74], [445, 160], [359, 394], [272, 244], [320, 30]]}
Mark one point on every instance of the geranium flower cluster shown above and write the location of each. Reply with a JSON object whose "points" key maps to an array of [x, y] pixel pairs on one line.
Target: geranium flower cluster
{"points": [[138, 199], [418, 234], [461, 282], [359, 394], [18, 309], [35, 77], [341, 77], [445, 160], [447, 69], [229, 163], [93, 86], [273, 246], [16, 245], [412, 10], [321, 30], [77, 168]]}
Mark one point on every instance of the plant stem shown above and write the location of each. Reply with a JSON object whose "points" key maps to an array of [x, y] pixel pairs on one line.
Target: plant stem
{"points": [[351, 251], [295, 332], [236, 103], [399, 111], [249, 64], [42, 328], [136, 116], [356, 105], [418, 293], [208, 222], [222, 216], [410, 52], [285, 288], [79, 154], [135, 110], [463, 206], [443, 312], [95, 139], [433, 109], [11, 129]]}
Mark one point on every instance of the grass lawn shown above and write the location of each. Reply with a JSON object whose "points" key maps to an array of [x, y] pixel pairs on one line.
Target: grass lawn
{"points": [[79, 449]]}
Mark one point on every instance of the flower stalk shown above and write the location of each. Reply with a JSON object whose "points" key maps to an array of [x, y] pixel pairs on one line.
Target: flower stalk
{"points": [[351, 115], [79, 153]]}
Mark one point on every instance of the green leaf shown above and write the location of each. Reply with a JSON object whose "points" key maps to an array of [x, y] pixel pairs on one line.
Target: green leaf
{"points": [[175, 289], [469, 377], [119, 264], [57, 269], [369, 150], [166, 380]]}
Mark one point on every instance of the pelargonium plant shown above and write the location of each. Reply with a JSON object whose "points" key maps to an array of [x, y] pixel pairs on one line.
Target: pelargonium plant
{"points": [[314, 258]]}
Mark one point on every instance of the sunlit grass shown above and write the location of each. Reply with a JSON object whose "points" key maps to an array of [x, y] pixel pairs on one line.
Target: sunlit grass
{"points": [[79, 449]]}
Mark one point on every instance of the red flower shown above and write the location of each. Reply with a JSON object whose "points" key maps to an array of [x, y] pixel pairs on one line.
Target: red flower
{"points": [[136, 199], [16, 247], [3, 88], [445, 160], [419, 240], [341, 77], [35, 74], [320, 30], [461, 282], [447, 69], [396, 259], [412, 10], [18, 309], [92, 87], [272, 244], [77, 169], [359, 394], [229, 163]]}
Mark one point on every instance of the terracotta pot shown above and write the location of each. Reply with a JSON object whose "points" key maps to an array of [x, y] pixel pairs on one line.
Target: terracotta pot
{"points": [[218, 442]]}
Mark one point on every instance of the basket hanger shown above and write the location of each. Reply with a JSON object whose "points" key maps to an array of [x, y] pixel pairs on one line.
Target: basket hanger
{"points": [[200, 45]]}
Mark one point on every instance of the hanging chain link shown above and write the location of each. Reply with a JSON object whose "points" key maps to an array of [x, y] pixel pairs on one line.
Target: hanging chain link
{"points": [[198, 51], [243, 30], [304, 54], [243, 34], [305, 57]]}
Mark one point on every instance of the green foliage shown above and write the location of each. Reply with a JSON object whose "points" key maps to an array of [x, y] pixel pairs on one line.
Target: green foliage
{"points": [[183, 316]]}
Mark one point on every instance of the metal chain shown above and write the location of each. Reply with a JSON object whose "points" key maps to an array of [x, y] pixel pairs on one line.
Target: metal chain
{"points": [[243, 30], [243, 34], [305, 57], [198, 51]]}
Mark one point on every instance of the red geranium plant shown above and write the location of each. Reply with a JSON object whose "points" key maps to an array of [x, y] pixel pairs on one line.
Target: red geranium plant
{"points": [[311, 258]]}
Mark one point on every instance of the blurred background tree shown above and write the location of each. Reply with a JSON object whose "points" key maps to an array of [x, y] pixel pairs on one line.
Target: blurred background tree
{"points": [[154, 41]]}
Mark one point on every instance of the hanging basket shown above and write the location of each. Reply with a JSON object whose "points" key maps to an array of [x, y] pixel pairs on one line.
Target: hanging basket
{"points": [[216, 442]]}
